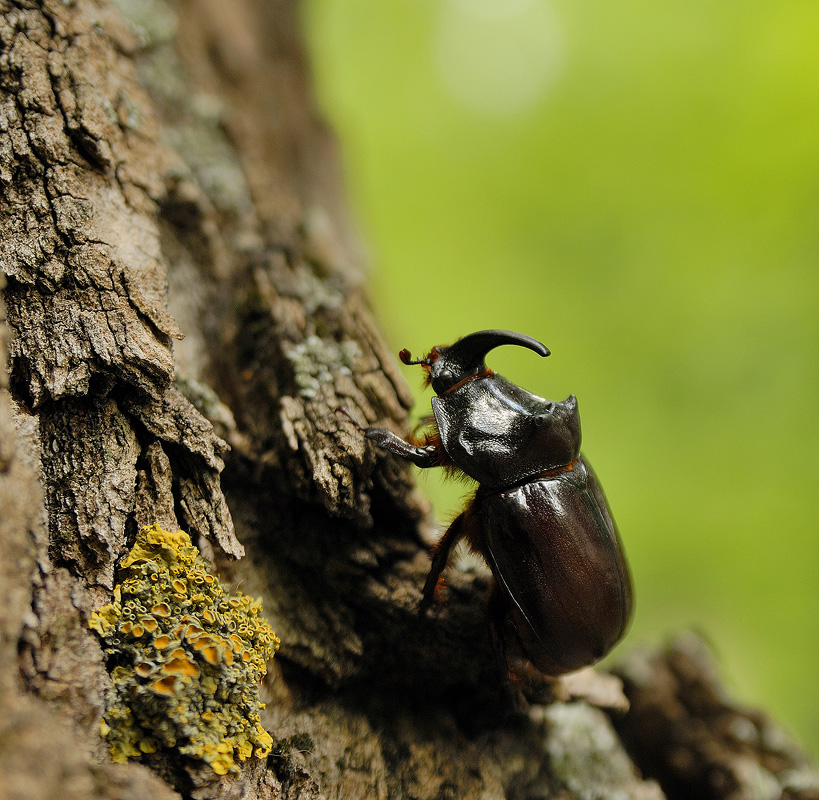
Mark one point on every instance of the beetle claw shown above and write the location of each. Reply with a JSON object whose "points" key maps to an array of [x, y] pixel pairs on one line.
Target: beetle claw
{"points": [[342, 410]]}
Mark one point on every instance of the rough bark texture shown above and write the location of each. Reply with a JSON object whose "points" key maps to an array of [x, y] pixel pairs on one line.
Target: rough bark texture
{"points": [[162, 171]]}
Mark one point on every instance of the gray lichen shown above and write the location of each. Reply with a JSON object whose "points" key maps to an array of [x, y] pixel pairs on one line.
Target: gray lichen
{"points": [[587, 757], [316, 361]]}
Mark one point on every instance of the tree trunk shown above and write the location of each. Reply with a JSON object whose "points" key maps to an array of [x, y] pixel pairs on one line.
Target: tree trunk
{"points": [[163, 172]]}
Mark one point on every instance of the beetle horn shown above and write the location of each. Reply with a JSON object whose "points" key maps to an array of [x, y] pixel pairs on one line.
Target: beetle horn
{"points": [[466, 356]]}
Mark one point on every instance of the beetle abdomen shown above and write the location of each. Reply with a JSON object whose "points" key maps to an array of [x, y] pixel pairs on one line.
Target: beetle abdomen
{"points": [[555, 551]]}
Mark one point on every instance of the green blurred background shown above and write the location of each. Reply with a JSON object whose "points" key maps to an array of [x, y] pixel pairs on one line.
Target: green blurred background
{"points": [[636, 184]]}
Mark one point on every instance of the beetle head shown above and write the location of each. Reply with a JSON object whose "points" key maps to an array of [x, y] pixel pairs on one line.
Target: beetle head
{"points": [[448, 365]]}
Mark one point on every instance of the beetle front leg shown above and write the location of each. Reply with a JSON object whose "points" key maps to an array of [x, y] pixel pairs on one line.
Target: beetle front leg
{"points": [[426, 456]]}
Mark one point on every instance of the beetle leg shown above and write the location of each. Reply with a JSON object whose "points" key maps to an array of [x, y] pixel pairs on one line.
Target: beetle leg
{"points": [[522, 681], [440, 558], [421, 456], [500, 636]]}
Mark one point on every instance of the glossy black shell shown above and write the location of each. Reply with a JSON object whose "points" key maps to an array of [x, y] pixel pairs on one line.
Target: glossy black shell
{"points": [[500, 434], [556, 554], [539, 516]]}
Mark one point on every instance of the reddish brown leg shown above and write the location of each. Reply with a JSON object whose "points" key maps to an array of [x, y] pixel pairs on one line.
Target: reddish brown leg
{"points": [[440, 558], [521, 678]]}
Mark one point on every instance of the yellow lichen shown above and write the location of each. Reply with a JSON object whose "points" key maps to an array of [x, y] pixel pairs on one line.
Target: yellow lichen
{"points": [[189, 658]]}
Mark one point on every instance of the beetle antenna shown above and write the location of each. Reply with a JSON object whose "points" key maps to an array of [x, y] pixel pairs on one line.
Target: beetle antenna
{"points": [[406, 358], [342, 410]]}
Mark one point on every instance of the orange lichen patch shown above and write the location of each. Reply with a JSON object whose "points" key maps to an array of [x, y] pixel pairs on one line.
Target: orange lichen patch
{"points": [[143, 669], [181, 666], [192, 632], [104, 620], [221, 764], [171, 547], [211, 654], [213, 649], [181, 687], [166, 685], [208, 642]]}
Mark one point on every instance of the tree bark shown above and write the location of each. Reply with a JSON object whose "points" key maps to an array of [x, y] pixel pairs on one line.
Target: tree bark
{"points": [[163, 172]]}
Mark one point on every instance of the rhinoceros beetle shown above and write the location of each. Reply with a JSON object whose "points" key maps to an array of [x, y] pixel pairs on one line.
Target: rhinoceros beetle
{"points": [[561, 597]]}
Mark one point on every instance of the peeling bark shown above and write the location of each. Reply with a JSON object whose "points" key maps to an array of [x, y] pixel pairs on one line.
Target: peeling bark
{"points": [[46, 749], [162, 171]]}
